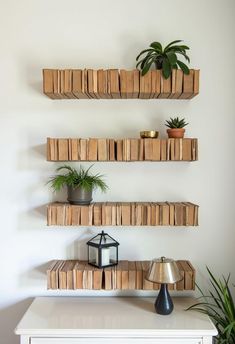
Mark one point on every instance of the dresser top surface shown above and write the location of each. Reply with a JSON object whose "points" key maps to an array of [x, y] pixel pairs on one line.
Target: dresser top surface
{"points": [[110, 315]]}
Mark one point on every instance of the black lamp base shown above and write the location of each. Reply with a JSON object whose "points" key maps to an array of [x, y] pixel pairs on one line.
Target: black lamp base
{"points": [[163, 303]]}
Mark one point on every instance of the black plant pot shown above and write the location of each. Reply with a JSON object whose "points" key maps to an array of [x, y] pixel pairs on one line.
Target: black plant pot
{"points": [[158, 63], [163, 303], [79, 196]]}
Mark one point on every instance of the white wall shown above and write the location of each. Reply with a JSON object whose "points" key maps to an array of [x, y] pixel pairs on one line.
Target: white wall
{"points": [[108, 33]]}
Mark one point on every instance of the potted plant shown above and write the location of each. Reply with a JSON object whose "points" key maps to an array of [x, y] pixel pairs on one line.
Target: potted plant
{"points": [[165, 59], [80, 184], [218, 304], [176, 127]]}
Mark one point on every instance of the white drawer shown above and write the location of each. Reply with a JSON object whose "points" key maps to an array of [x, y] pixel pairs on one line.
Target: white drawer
{"points": [[115, 341]]}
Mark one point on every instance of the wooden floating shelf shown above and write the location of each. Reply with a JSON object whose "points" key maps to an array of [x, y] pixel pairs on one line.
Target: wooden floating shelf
{"points": [[133, 149], [119, 84], [123, 214], [74, 274]]}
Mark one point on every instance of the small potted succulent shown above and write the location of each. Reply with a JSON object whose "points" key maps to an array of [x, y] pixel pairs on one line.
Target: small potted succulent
{"points": [[176, 127], [80, 184], [165, 59]]}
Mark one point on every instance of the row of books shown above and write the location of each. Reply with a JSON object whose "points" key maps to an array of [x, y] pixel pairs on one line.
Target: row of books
{"points": [[128, 149], [123, 214], [118, 84], [74, 274]]}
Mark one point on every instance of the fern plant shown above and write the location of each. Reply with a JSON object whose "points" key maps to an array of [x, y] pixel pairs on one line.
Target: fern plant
{"points": [[219, 305], [176, 123], [77, 178], [163, 58]]}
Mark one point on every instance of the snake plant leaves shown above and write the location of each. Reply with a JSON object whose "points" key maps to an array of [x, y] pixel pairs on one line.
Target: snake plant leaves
{"points": [[172, 43], [157, 46], [143, 52], [183, 67], [183, 54], [166, 68], [165, 59], [172, 58], [146, 68], [219, 305]]}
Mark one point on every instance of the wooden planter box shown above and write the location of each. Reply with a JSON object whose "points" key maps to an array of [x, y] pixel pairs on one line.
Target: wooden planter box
{"points": [[74, 274], [119, 84], [127, 150], [123, 214]]}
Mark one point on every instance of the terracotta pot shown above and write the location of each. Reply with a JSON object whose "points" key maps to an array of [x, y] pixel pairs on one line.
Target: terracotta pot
{"points": [[177, 133]]}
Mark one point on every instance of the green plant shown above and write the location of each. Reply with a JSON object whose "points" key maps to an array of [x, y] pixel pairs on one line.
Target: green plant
{"points": [[165, 59], [219, 306], [77, 178], [176, 123]]}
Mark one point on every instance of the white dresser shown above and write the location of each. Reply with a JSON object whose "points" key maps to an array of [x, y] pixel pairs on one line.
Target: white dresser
{"points": [[111, 320]]}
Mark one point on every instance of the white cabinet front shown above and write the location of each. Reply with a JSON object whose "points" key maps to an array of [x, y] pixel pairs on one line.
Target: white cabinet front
{"points": [[116, 341]]}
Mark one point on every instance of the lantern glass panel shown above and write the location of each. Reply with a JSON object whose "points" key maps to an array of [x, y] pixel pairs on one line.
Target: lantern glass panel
{"points": [[95, 241], [107, 240], [113, 254], [93, 253], [102, 240]]}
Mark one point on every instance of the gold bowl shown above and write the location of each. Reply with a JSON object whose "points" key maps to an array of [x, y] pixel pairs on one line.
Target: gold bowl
{"points": [[149, 134]]}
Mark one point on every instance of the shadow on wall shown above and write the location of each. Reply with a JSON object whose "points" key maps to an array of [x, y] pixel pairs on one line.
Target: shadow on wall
{"points": [[37, 275], [34, 75], [78, 248], [9, 318], [31, 157], [32, 214], [34, 276], [40, 150]]}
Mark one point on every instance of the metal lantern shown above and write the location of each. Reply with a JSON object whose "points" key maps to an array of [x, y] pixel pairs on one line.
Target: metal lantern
{"points": [[102, 251]]}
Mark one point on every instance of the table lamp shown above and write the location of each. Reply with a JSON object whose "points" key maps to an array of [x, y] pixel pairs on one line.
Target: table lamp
{"points": [[164, 270]]}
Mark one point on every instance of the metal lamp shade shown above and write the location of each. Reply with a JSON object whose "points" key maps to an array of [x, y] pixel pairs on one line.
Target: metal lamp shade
{"points": [[164, 270]]}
